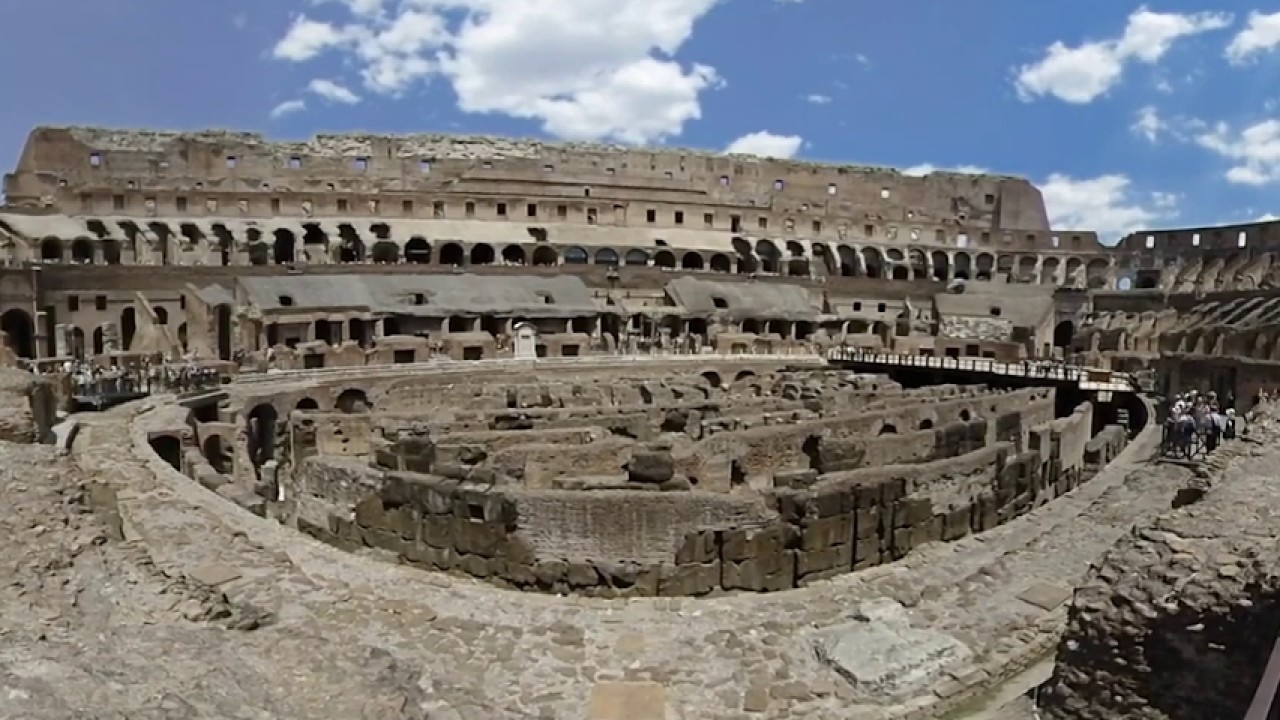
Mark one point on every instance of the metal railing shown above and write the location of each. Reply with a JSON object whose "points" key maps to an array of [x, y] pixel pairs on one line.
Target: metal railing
{"points": [[443, 365], [1086, 378]]}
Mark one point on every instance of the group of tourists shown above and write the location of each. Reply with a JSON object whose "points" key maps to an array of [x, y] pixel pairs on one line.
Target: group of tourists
{"points": [[165, 374], [1199, 422]]}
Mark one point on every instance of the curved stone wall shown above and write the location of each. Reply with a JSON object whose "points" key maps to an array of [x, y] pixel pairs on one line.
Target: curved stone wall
{"points": [[660, 483]]}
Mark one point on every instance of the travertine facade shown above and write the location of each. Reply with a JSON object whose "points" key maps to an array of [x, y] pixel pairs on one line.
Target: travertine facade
{"points": [[676, 250]]}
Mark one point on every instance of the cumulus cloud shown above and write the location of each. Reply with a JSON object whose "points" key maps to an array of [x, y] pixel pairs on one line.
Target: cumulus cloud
{"points": [[925, 168], [288, 107], [1254, 151], [766, 144], [818, 99], [1261, 34], [584, 69], [333, 92], [1107, 204], [1081, 74], [1149, 124]]}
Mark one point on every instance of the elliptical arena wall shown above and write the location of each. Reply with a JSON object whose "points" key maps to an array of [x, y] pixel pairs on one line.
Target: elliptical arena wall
{"points": [[794, 515]]}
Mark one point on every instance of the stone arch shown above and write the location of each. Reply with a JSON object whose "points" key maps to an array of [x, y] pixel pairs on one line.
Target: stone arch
{"points": [[664, 259], [1049, 271], [351, 248], [747, 262], [712, 377], [284, 249], [925, 424], [513, 255], [260, 428], [352, 400], [770, 257], [691, 261], [575, 255], [110, 251], [482, 254], [306, 403], [19, 331], [216, 452], [452, 254], [941, 266], [1095, 273], [545, 256], [984, 267], [848, 260], [417, 250], [385, 252], [128, 326], [607, 256], [100, 340], [169, 448], [887, 429], [964, 266], [743, 375], [1063, 333], [51, 249], [259, 254], [1073, 269], [721, 263], [162, 315], [873, 261], [82, 251], [77, 342], [637, 257]]}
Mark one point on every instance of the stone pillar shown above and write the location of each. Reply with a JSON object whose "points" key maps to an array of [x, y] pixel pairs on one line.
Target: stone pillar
{"points": [[110, 337], [61, 340]]}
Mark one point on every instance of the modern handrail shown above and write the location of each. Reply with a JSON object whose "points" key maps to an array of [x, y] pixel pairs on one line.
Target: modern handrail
{"points": [[1264, 705]]}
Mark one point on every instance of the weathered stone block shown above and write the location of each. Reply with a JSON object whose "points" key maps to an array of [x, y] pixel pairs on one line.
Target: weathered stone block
{"points": [[746, 543], [838, 558], [652, 468], [477, 537], [698, 547], [677, 581], [824, 532], [764, 573]]}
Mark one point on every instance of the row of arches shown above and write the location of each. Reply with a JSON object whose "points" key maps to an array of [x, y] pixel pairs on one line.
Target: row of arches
{"points": [[286, 247]]}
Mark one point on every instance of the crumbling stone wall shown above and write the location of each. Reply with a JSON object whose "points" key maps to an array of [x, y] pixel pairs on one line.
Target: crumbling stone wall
{"points": [[1178, 620], [623, 543], [28, 407]]}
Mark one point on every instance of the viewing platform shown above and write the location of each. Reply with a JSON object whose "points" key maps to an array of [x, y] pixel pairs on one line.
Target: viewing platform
{"points": [[1093, 380]]}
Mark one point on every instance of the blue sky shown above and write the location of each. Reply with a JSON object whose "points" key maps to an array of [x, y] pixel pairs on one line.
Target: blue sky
{"points": [[1127, 115]]}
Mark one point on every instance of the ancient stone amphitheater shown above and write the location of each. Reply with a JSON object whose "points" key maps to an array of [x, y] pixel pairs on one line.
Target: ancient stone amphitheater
{"points": [[519, 430]]}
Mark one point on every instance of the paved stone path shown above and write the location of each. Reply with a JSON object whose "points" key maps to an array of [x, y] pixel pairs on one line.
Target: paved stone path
{"points": [[297, 629]]}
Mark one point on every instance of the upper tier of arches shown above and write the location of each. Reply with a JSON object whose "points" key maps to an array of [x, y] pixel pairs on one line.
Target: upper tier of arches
{"points": [[468, 244]]}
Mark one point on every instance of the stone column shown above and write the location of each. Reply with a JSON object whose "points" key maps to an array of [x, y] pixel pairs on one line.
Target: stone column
{"points": [[61, 340]]}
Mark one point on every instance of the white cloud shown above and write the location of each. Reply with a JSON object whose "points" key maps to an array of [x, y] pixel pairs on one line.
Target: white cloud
{"points": [[926, 168], [1261, 34], [766, 144], [1106, 204], [1149, 125], [1253, 150], [1081, 74], [333, 92], [818, 99], [585, 69], [288, 107]]}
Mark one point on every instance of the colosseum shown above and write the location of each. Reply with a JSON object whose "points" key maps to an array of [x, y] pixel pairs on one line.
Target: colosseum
{"points": [[513, 429]]}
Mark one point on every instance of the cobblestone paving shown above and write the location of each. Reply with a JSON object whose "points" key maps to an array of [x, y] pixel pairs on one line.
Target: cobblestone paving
{"points": [[295, 629]]}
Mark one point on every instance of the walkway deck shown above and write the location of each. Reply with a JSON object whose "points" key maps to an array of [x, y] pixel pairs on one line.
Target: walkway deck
{"points": [[1088, 379]]}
